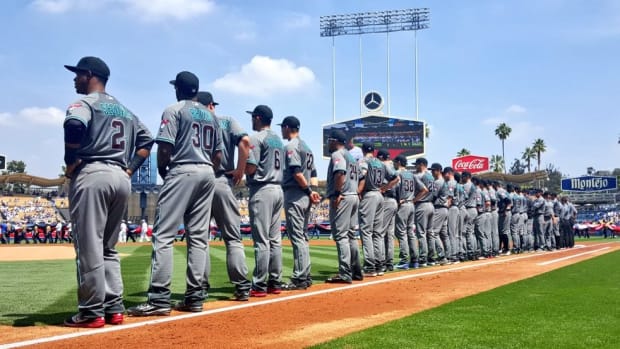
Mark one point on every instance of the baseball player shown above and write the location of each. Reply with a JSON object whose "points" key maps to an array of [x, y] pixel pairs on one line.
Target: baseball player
{"points": [[299, 173], [462, 245], [515, 217], [122, 235], [342, 184], [470, 191], [104, 144], [144, 228], [548, 217], [538, 208], [264, 178], [454, 234], [494, 218], [373, 173], [424, 212], [567, 219], [390, 206], [189, 148], [504, 207], [406, 190], [227, 216], [438, 235]]}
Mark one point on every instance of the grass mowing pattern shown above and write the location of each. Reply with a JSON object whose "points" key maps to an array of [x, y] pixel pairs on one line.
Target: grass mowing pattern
{"points": [[45, 292], [577, 306]]}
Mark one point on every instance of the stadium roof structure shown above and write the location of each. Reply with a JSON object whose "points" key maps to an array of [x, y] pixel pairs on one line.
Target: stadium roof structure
{"points": [[516, 179], [32, 180]]}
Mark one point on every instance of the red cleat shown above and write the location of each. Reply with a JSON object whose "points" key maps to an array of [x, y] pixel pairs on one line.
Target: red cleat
{"points": [[78, 320], [114, 319]]}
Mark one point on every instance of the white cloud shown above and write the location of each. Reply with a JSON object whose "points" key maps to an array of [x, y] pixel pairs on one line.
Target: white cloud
{"points": [[154, 10], [516, 109], [265, 76], [33, 116], [297, 20], [245, 36], [147, 10]]}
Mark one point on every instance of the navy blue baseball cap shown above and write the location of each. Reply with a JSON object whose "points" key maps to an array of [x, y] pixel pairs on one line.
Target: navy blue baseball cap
{"points": [[290, 122], [205, 98], [383, 154], [262, 111], [186, 82], [93, 65], [368, 147], [401, 159], [338, 136]]}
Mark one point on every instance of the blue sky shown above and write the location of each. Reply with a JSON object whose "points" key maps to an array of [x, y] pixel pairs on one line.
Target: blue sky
{"points": [[549, 69]]}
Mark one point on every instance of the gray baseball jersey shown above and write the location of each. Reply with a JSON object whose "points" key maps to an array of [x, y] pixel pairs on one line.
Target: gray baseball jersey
{"points": [[428, 181], [408, 186], [298, 154], [375, 172], [267, 154], [452, 192], [469, 189], [231, 135], [341, 160], [440, 192], [113, 131], [193, 132]]}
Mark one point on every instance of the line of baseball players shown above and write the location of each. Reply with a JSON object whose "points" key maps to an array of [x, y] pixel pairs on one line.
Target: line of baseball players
{"points": [[105, 143]]}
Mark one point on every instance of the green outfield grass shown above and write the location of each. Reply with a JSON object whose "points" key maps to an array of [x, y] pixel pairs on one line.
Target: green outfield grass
{"points": [[45, 292], [573, 307]]}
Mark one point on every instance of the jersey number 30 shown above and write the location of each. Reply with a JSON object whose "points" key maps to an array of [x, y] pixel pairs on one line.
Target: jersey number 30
{"points": [[203, 136]]}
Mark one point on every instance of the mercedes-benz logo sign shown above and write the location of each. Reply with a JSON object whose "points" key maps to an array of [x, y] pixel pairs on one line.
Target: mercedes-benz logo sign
{"points": [[373, 101]]}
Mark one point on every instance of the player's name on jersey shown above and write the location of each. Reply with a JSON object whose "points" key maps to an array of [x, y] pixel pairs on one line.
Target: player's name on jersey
{"points": [[115, 110], [200, 114]]}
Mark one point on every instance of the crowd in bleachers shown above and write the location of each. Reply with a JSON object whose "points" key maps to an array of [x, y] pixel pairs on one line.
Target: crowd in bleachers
{"points": [[32, 220]]}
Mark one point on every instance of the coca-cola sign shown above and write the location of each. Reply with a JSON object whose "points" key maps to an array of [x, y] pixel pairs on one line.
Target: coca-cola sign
{"points": [[471, 163]]}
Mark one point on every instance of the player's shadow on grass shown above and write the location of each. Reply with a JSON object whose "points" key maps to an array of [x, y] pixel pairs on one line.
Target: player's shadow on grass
{"points": [[24, 320]]}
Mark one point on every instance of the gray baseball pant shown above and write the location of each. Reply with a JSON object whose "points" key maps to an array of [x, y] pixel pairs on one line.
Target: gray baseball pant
{"points": [[297, 210], [186, 195], [470, 237], [504, 225], [539, 232], [407, 239], [265, 206], [98, 195], [343, 220], [454, 233], [370, 219], [514, 231], [438, 239], [389, 217], [494, 222], [225, 211], [423, 220], [482, 233]]}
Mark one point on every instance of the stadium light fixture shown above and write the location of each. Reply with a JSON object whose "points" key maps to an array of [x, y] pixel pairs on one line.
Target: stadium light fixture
{"points": [[369, 23]]}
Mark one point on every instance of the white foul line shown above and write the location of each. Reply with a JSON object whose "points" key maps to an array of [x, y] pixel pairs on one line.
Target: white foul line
{"points": [[572, 256], [270, 301]]}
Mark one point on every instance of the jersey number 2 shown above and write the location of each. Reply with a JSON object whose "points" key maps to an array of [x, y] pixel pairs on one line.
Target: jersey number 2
{"points": [[118, 137]]}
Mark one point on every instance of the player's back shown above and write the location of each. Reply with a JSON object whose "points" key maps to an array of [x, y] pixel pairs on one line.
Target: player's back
{"points": [[231, 133], [192, 130], [298, 153], [267, 154], [111, 129]]}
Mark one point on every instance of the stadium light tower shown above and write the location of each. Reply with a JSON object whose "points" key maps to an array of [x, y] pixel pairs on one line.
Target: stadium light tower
{"points": [[375, 22]]}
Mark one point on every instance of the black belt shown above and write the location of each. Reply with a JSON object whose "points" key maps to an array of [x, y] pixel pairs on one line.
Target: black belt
{"points": [[391, 196], [223, 173], [440, 206], [422, 202], [260, 184]]}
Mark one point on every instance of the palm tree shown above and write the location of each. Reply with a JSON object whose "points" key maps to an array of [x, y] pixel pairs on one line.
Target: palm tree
{"points": [[497, 163], [528, 155], [463, 152], [539, 147], [503, 131]]}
